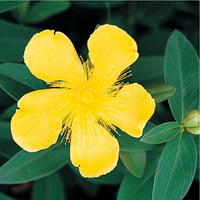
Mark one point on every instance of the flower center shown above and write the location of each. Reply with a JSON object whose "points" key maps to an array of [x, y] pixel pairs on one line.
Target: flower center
{"points": [[87, 97]]}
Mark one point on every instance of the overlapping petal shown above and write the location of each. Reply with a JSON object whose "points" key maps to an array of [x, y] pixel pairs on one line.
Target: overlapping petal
{"points": [[38, 121], [93, 149], [111, 50], [53, 57], [130, 109]]}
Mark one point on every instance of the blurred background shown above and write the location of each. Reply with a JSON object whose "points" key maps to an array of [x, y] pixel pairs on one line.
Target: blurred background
{"points": [[150, 23]]}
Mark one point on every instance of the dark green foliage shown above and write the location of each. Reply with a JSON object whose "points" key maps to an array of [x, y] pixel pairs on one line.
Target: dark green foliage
{"points": [[162, 164]]}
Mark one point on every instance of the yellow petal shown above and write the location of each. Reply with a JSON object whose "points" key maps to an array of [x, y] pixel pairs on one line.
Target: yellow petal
{"points": [[131, 109], [93, 149], [111, 50], [38, 122], [53, 57]]}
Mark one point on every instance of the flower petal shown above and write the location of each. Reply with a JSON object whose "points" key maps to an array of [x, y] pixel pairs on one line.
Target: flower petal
{"points": [[38, 122], [111, 50], [131, 109], [53, 57], [93, 149]]}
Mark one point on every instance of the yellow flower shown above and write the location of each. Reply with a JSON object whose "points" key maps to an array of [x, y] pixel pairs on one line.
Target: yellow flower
{"points": [[86, 101]]}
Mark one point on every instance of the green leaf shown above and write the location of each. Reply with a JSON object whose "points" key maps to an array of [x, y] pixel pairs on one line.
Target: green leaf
{"points": [[128, 143], [8, 5], [197, 143], [152, 13], [89, 187], [26, 166], [13, 40], [153, 43], [5, 100], [100, 4], [45, 9], [134, 161], [161, 92], [20, 12], [162, 133], [8, 113], [71, 179], [176, 168], [48, 188], [147, 70], [5, 130], [8, 147], [181, 66], [5, 197], [133, 188], [17, 80]]}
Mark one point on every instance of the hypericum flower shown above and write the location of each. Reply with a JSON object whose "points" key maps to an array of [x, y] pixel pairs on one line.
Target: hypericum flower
{"points": [[87, 99]]}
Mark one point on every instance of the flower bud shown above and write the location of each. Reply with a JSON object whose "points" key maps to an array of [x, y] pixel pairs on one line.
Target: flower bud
{"points": [[192, 121]]}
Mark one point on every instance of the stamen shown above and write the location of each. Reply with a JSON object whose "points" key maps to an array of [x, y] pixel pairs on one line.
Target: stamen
{"points": [[66, 128], [108, 126], [124, 74], [118, 85], [114, 89], [58, 84], [82, 59], [66, 133], [88, 68]]}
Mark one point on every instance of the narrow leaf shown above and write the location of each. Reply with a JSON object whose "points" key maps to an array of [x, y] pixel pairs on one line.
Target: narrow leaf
{"points": [[17, 80], [49, 188], [134, 161], [181, 67], [100, 4], [26, 166], [8, 147], [133, 188], [5, 197], [128, 143], [161, 92], [13, 40], [45, 9], [176, 168], [8, 113], [20, 12], [162, 133], [90, 188], [8, 5]]}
